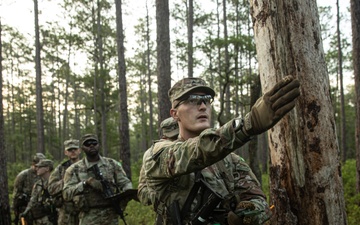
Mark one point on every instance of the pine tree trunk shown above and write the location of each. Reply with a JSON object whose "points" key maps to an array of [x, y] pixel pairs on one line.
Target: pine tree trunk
{"points": [[163, 58], [306, 185], [190, 26], [355, 21], [341, 81], [102, 80], [124, 117], [149, 79], [39, 103]]}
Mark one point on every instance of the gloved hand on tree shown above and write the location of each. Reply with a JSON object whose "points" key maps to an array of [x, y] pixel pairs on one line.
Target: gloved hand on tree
{"points": [[272, 106]]}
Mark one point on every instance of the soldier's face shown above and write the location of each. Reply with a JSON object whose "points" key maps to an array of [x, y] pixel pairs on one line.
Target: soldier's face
{"points": [[193, 118], [91, 148], [41, 170], [73, 153]]}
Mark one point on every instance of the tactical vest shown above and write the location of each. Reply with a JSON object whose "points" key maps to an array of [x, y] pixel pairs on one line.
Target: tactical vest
{"points": [[44, 205], [206, 202], [91, 198]]}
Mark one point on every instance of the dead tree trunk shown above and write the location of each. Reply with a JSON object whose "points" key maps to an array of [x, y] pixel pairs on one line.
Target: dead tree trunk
{"points": [[306, 185]]}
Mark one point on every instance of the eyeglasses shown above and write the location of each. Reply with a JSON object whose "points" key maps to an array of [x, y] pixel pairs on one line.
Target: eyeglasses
{"points": [[196, 100], [90, 142]]}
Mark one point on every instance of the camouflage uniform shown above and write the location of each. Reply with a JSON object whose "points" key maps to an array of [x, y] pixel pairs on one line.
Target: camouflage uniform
{"points": [[203, 168], [94, 209], [23, 185], [169, 130], [67, 213], [41, 205]]}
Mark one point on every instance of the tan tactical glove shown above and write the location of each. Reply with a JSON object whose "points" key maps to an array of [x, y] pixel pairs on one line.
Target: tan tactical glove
{"points": [[239, 217], [94, 183], [272, 106]]}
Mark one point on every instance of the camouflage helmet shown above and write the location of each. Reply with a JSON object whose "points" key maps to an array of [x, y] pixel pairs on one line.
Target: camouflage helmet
{"points": [[70, 144], [187, 85], [88, 137], [169, 127], [38, 156], [45, 163]]}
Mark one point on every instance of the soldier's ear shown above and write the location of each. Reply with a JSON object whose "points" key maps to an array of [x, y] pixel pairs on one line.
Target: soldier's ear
{"points": [[173, 113]]}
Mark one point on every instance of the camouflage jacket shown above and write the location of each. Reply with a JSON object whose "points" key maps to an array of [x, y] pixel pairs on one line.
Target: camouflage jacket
{"points": [[67, 212], [145, 195], [56, 182], [170, 169], [40, 204], [23, 185], [95, 209]]}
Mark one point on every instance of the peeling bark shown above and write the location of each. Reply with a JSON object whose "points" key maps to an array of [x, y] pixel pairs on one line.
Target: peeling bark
{"points": [[306, 184]]}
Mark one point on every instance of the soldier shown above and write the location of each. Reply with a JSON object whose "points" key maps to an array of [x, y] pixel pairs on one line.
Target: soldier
{"points": [[169, 130], [197, 178], [93, 183], [41, 208], [67, 213], [24, 182]]}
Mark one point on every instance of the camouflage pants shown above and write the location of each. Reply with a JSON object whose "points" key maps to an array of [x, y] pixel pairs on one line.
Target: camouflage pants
{"points": [[43, 221], [96, 216], [67, 218]]}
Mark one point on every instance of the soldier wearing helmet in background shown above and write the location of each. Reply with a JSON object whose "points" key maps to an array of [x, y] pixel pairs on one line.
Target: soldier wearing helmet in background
{"points": [[23, 185], [67, 213], [169, 131]]}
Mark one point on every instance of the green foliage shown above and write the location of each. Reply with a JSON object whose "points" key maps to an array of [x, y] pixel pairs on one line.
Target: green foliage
{"points": [[352, 200], [266, 185], [14, 169], [136, 213]]}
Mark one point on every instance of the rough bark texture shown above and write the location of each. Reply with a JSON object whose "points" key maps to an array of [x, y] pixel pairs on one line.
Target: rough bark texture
{"points": [[306, 185], [124, 117], [163, 58], [343, 132], [190, 27], [355, 22], [39, 103]]}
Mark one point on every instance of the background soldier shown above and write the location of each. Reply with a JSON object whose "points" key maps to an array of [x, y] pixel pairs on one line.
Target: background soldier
{"points": [[197, 178], [23, 185], [91, 182], [67, 213], [169, 130], [41, 208]]}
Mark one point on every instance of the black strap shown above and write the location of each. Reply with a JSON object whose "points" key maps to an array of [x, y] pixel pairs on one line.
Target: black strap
{"points": [[192, 194]]}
